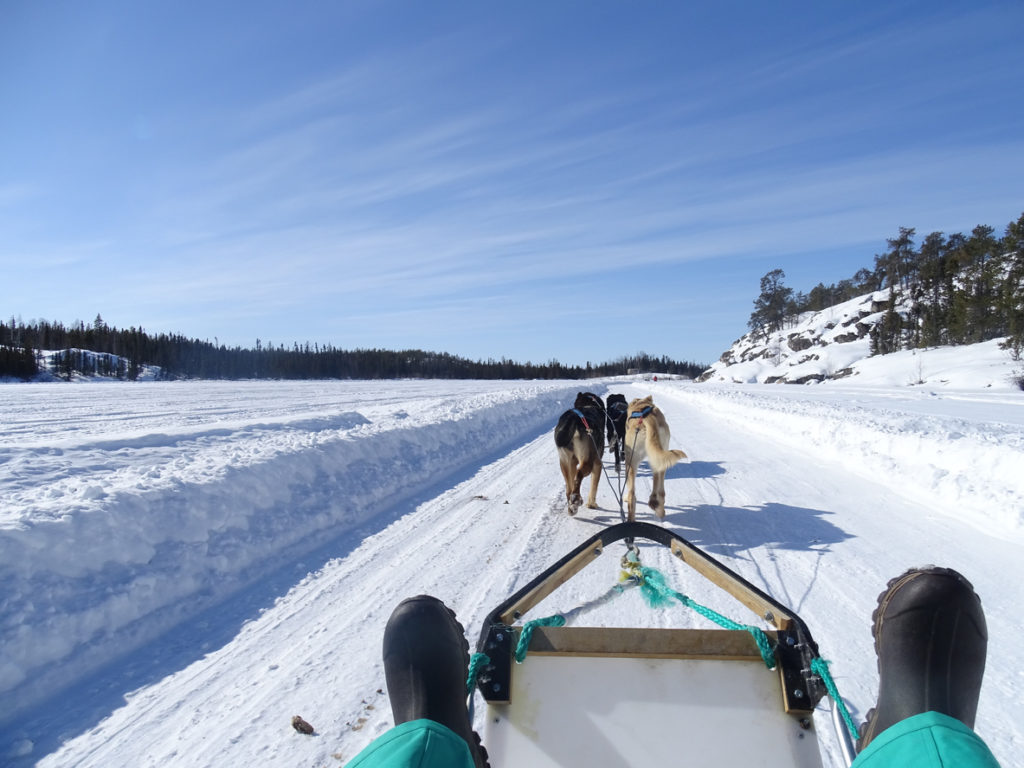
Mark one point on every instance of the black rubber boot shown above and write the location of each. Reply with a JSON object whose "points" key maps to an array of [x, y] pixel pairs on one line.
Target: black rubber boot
{"points": [[931, 640], [426, 660]]}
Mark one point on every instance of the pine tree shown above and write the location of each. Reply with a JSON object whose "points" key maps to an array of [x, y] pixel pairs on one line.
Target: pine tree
{"points": [[1012, 288], [933, 297], [770, 306]]}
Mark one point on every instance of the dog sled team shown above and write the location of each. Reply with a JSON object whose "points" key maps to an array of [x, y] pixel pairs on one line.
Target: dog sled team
{"points": [[929, 631], [634, 431]]}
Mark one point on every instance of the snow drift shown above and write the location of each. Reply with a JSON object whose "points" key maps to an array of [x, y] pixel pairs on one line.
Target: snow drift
{"points": [[110, 537]]}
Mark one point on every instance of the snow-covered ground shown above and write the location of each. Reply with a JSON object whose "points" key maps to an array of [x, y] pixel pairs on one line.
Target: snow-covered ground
{"points": [[188, 565]]}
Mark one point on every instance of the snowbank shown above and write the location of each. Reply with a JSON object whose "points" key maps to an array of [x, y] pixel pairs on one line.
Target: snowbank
{"points": [[113, 531], [950, 448]]}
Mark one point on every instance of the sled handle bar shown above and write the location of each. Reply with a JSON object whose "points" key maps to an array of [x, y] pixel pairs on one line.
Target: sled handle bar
{"points": [[759, 602], [795, 649]]}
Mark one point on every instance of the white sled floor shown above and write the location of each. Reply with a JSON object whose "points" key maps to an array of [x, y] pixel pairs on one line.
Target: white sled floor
{"points": [[609, 697]]}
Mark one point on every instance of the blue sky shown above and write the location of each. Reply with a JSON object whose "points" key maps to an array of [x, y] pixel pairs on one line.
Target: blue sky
{"points": [[534, 180]]}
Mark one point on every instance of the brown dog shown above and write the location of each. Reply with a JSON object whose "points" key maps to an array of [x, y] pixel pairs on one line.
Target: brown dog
{"points": [[647, 437], [579, 437]]}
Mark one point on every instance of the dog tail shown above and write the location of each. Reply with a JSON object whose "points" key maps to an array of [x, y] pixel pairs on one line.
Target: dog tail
{"points": [[659, 457]]}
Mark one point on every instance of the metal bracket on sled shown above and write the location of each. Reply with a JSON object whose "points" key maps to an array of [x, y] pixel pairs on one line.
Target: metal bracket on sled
{"points": [[801, 690], [495, 680]]}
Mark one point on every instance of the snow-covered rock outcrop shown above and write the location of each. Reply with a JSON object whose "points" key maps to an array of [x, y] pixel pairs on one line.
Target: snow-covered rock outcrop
{"points": [[835, 343]]}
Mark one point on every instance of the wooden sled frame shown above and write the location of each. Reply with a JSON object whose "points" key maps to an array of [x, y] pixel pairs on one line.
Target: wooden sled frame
{"points": [[795, 648]]}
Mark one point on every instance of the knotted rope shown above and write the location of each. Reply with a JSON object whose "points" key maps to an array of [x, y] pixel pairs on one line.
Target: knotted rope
{"points": [[476, 662], [658, 593], [558, 620]]}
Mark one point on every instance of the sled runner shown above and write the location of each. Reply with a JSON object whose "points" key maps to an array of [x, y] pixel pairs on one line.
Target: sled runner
{"points": [[603, 696]]}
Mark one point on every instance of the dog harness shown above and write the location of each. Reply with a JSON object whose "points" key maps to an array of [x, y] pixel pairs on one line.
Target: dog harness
{"points": [[641, 414], [583, 418]]}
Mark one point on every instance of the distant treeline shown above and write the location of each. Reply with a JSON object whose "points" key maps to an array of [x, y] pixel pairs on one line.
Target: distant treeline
{"points": [[960, 289], [99, 349]]}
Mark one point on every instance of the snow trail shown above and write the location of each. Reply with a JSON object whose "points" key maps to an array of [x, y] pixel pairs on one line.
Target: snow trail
{"points": [[807, 525]]}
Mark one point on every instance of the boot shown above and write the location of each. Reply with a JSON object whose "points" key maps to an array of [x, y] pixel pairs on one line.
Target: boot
{"points": [[426, 660], [931, 640]]}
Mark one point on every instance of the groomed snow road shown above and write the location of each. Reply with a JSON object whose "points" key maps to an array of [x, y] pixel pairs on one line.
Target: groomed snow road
{"points": [[820, 527]]}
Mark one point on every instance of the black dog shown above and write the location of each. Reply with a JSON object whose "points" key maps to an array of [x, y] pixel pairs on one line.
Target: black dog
{"points": [[589, 400], [615, 414], [579, 437]]}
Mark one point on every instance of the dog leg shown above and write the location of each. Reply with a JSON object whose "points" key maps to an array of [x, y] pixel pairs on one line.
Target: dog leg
{"points": [[577, 498], [657, 500], [581, 472], [567, 463], [574, 504], [595, 480]]}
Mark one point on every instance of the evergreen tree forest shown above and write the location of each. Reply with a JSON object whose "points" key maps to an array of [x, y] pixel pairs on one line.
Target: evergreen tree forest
{"points": [[99, 349], [960, 289]]}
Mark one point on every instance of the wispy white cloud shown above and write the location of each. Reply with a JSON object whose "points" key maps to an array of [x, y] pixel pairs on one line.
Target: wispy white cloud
{"points": [[399, 188]]}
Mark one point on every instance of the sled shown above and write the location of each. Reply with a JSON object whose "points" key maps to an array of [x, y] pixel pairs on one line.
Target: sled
{"points": [[605, 696]]}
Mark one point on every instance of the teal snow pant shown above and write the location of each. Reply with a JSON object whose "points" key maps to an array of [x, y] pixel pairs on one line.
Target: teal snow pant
{"points": [[929, 740], [416, 744]]}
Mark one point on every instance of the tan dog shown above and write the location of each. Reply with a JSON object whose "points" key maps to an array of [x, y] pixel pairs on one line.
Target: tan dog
{"points": [[647, 435]]}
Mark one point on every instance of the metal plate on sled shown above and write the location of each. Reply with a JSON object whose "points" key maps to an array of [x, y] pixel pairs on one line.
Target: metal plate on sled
{"points": [[573, 711]]}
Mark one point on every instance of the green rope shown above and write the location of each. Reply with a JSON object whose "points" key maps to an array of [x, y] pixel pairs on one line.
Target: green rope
{"points": [[524, 637], [658, 593], [820, 667], [476, 662]]}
